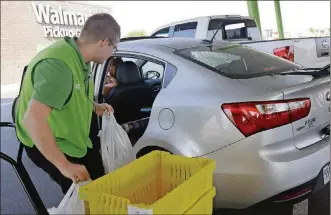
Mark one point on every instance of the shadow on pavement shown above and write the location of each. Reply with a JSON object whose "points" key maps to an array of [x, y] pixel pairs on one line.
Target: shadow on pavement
{"points": [[268, 211], [319, 203]]}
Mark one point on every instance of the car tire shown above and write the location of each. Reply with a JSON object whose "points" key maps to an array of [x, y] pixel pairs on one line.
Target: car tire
{"points": [[149, 149]]}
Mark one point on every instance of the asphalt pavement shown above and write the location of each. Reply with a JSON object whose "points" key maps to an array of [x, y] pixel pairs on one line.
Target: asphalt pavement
{"points": [[13, 197], [15, 201]]}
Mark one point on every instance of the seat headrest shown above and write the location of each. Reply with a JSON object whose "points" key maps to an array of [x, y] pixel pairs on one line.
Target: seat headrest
{"points": [[127, 73]]}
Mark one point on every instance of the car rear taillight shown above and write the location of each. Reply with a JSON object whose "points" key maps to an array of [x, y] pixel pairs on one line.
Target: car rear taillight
{"points": [[299, 109], [253, 117], [286, 52]]}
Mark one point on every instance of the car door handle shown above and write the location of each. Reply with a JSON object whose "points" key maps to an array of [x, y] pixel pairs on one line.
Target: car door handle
{"points": [[155, 89]]}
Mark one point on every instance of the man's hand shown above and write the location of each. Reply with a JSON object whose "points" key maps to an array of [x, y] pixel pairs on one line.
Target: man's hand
{"points": [[76, 172], [100, 108]]}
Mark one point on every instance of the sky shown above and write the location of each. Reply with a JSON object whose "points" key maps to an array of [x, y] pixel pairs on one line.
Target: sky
{"points": [[298, 16]]}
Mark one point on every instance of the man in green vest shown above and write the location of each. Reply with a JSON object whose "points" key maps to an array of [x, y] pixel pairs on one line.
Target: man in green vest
{"points": [[54, 109]]}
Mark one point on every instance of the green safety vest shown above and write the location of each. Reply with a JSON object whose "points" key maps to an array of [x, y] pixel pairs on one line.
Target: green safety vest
{"points": [[70, 125]]}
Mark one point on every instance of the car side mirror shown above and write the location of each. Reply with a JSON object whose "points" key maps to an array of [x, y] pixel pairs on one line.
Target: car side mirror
{"points": [[152, 75]]}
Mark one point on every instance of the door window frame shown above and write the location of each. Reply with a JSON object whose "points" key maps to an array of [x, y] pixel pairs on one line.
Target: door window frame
{"points": [[99, 70]]}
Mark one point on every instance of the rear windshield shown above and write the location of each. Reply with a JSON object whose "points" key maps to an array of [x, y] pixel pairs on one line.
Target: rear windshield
{"points": [[237, 61]]}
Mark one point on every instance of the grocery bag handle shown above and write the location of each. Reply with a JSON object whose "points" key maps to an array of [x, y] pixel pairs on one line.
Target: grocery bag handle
{"points": [[24, 177]]}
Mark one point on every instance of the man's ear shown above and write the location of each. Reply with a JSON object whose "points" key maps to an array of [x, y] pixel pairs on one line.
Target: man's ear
{"points": [[103, 43]]}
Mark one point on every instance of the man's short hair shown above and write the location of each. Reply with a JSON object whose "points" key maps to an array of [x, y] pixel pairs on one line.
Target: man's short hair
{"points": [[99, 27]]}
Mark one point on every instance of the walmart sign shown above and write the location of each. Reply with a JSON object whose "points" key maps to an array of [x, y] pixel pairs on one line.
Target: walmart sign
{"points": [[58, 23]]}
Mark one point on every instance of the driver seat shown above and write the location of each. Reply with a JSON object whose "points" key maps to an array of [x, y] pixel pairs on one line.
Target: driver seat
{"points": [[130, 95]]}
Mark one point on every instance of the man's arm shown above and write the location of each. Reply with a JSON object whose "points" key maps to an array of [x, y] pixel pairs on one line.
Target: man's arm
{"points": [[52, 86], [35, 121]]}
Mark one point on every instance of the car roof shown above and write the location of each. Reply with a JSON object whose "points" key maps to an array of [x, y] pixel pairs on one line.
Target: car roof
{"points": [[161, 43]]}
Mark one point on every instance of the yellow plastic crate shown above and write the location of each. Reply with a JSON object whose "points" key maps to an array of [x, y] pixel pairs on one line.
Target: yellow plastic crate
{"points": [[204, 205], [158, 181]]}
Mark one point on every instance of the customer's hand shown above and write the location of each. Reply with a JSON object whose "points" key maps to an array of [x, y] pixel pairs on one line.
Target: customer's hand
{"points": [[100, 108], [76, 172]]}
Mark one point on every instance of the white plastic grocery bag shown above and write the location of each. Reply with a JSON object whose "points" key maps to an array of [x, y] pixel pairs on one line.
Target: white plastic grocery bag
{"points": [[116, 148], [71, 203]]}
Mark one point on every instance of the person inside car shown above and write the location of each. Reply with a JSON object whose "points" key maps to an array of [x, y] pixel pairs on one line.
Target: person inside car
{"points": [[110, 81]]}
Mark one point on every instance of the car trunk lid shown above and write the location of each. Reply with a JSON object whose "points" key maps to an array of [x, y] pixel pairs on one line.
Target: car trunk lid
{"points": [[308, 130]]}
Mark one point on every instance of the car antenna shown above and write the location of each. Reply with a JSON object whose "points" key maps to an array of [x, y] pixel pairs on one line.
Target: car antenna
{"points": [[218, 28]]}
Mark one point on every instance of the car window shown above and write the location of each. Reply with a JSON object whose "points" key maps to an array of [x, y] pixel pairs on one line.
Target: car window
{"points": [[235, 31], [186, 30], [152, 70], [162, 33], [230, 29], [235, 61]]}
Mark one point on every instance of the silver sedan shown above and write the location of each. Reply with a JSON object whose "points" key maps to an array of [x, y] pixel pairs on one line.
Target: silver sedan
{"points": [[264, 120]]}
